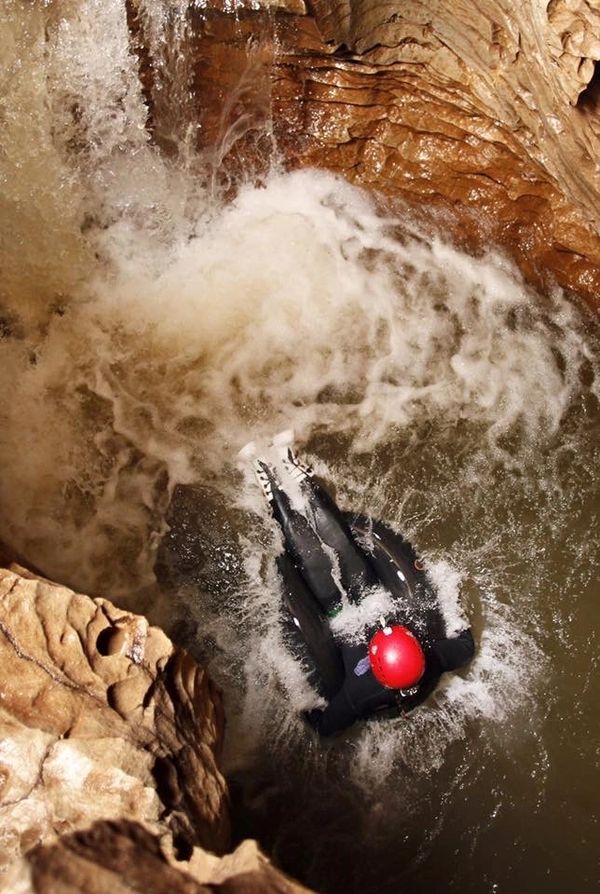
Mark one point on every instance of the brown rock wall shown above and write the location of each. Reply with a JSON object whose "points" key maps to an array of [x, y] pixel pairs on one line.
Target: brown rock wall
{"points": [[467, 173], [481, 116]]}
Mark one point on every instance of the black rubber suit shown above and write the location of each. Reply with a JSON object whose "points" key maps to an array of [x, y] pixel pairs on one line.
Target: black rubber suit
{"points": [[361, 695]]}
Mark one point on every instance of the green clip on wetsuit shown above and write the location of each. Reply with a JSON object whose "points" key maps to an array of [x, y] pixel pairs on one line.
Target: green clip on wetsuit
{"points": [[309, 543]]}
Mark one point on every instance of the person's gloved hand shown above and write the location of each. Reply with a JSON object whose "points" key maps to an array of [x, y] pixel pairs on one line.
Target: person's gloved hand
{"points": [[313, 718]]}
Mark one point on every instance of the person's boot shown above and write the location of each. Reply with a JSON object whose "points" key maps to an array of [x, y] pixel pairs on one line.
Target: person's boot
{"points": [[266, 478], [297, 470]]}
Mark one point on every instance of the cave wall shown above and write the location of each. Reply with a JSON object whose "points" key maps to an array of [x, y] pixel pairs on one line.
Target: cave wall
{"points": [[101, 718], [484, 114], [483, 117], [110, 739]]}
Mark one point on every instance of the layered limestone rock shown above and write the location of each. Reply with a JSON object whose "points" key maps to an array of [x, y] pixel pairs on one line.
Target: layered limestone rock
{"points": [[483, 116], [109, 740], [482, 107]]}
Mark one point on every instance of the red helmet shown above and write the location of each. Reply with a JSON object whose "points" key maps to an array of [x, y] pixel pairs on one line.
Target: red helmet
{"points": [[396, 657]]}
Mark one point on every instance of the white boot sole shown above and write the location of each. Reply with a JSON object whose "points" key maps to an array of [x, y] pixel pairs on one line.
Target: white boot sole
{"points": [[264, 479], [297, 470]]}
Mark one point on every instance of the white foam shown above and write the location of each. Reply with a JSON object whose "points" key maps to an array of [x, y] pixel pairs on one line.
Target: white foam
{"points": [[284, 438], [183, 356], [447, 580], [354, 620]]}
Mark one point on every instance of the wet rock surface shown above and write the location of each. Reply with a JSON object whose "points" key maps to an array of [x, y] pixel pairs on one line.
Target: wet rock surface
{"points": [[109, 742], [483, 117], [486, 109], [124, 856], [102, 717]]}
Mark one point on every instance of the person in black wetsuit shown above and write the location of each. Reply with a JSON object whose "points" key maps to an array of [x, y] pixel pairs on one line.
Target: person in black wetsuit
{"points": [[322, 553]]}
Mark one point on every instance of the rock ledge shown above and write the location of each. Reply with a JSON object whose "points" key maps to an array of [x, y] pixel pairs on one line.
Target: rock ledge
{"points": [[109, 742]]}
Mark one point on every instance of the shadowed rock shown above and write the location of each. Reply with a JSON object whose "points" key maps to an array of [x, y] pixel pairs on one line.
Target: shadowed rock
{"points": [[125, 857], [101, 717]]}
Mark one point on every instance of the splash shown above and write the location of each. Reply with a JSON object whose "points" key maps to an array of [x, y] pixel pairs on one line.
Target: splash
{"points": [[172, 355], [354, 620]]}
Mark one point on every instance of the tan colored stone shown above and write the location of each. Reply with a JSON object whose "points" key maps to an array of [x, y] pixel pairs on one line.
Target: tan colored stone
{"points": [[109, 736], [101, 717], [482, 129]]}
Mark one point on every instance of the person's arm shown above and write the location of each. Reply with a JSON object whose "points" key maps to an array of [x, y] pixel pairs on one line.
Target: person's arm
{"points": [[338, 715], [454, 652]]}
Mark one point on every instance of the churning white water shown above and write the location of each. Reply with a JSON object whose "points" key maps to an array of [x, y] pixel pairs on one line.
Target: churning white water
{"points": [[149, 330]]}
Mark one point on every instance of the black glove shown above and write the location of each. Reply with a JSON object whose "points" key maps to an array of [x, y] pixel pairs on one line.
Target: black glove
{"points": [[313, 718]]}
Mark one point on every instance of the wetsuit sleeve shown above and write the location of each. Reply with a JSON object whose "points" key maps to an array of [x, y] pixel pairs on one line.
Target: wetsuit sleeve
{"points": [[455, 652], [338, 715]]}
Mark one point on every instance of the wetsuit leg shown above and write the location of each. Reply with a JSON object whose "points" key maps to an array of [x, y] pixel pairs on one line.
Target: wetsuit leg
{"points": [[355, 571], [311, 627], [306, 551]]}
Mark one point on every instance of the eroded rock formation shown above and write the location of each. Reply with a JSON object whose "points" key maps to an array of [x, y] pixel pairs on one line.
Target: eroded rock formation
{"points": [[125, 856], [109, 740], [480, 115], [484, 116]]}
